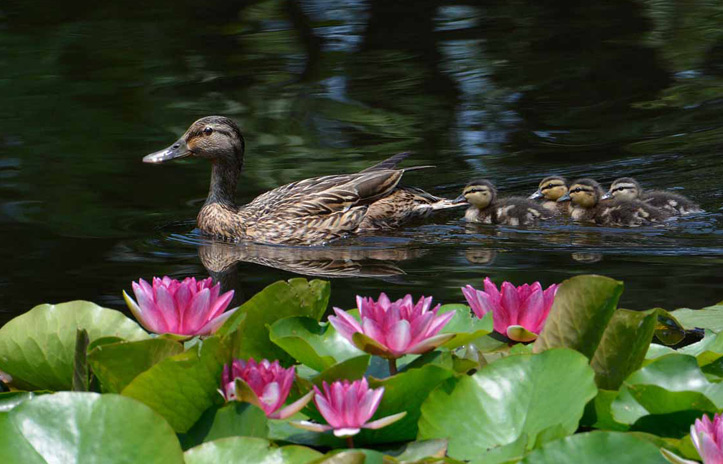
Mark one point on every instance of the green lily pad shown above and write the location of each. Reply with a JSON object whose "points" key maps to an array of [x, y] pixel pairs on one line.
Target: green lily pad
{"points": [[247, 450], [623, 346], [598, 413], [418, 450], [38, 348], [8, 400], [710, 318], [465, 325], [597, 447], [670, 384], [405, 391], [582, 309], [251, 322], [86, 427], [517, 396], [117, 364], [707, 350], [316, 345], [234, 419], [182, 387]]}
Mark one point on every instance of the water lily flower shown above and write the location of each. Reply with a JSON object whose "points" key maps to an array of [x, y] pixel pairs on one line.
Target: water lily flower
{"points": [[187, 307], [393, 329], [347, 407], [707, 437], [517, 312], [264, 384]]}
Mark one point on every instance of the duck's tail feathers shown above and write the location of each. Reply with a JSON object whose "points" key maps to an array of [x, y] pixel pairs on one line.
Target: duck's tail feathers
{"points": [[389, 163], [417, 168]]}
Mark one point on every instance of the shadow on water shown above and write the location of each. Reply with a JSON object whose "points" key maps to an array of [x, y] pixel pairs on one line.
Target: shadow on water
{"points": [[512, 91]]}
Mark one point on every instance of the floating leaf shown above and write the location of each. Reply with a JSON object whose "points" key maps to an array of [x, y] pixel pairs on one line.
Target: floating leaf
{"points": [[465, 325], [318, 346], [710, 318], [73, 427], [582, 309], [234, 419], [623, 346], [117, 364], [597, 447], [512, 397], [706, 351], [297, 297], [247, 450], [182, 387], [81, 374], [38, 348]]}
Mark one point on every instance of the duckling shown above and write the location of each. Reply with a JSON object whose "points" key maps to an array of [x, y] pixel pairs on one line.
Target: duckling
{"points": [[308, 212], [674, 204], [550, 189], [486, 208], [588, 206]]}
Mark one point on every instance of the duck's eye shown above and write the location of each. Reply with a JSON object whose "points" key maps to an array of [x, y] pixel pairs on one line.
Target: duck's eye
{"points": [[550, 186], [620, 189], [208, 130]]}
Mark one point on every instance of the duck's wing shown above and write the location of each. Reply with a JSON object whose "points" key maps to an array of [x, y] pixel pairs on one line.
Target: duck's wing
{"points": [[322, 196]]}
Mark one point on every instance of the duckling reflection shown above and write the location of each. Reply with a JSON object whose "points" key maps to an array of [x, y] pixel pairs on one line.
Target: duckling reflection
{"points": [[627, 188], [587, 258], [550, 190], [588, 206], [480, 255], [326, 262], [487, 208]]}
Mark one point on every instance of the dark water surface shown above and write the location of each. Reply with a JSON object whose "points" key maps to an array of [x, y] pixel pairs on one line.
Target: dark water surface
{"points": [[512, 91]]}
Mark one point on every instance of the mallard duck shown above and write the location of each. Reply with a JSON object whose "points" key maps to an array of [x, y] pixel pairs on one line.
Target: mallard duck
{"points": [[307, 212], [628, 188], [588, 206], [486, 208], [550, 189]]}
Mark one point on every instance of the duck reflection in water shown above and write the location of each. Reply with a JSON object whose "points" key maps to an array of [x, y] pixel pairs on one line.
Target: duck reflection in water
{"points": [[326, 262]]}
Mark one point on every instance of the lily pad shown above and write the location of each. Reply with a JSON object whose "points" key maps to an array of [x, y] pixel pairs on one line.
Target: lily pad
{"points": [[117, 364], [316, 345], [251, 322], [623, 346], [182, 387], [86, 427], [465, 325], [37, 348], [234, 419], [597, 447], [707, 350], [582, 309], [517, 396], [710, 318], [246, 450]]}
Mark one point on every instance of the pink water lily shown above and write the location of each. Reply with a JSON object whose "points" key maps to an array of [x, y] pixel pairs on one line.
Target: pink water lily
{"points": [[347, 407], [264, 384], [707, 437], [517, 312], [187, 307], [395, 328]]}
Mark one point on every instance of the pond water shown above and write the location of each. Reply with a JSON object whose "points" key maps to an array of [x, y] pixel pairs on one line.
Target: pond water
{"points": [[511, 91]]}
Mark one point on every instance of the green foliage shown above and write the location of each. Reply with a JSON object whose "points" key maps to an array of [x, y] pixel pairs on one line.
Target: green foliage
{"points": [[581, 311], [86, 427], [38, 348], [247, 450], [710, 318], [233, 419], [597, 447], [518, 396], [465, 325]]}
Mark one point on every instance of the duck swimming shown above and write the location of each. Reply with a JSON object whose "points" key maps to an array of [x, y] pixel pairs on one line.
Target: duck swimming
{"points": [[628, 188], [550, 190], [307, 212], [487, 208], [588, 205]]}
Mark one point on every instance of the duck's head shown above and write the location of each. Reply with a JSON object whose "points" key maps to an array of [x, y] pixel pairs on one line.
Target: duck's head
{"points": [[550, 188], [479, 193], [214, 137], [625, 188], [584, 193]]}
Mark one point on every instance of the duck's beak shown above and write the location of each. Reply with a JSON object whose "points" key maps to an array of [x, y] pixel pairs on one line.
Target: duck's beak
{"points": [[537, 195], [460, 199], [607, 196], [565, 197], [175, 151]]}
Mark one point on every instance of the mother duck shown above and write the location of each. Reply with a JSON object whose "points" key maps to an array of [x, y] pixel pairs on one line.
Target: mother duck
{"points": [[307, 212]]}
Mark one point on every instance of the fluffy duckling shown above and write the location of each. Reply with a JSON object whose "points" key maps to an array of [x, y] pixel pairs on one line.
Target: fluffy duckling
{"points": [[550, 190], [486, 208], [588, 206], [627, 188]]}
